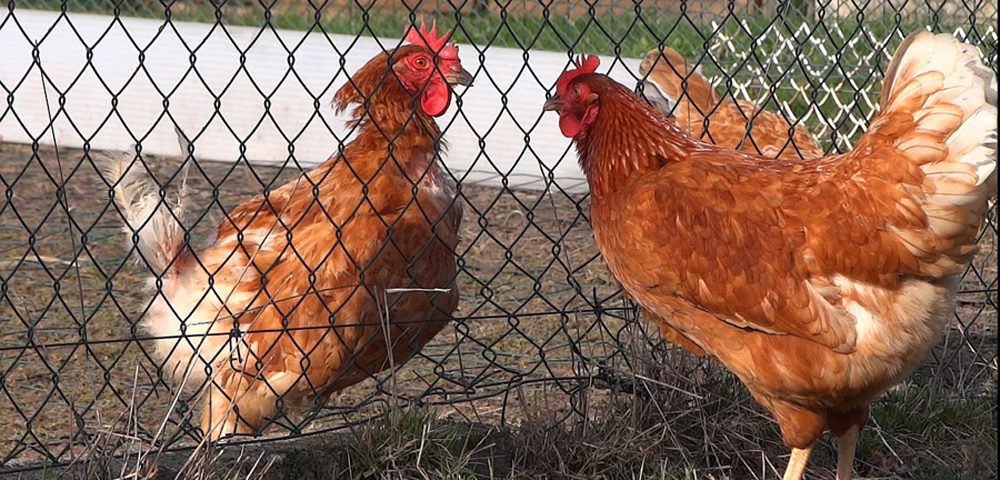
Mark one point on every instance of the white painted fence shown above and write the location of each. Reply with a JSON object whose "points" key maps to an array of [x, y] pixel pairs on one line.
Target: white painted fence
{"points": [[114, 70]]}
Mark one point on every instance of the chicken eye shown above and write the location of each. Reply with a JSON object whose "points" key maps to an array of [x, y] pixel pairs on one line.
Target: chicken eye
{"points": [[576, 91], [421, 62]]}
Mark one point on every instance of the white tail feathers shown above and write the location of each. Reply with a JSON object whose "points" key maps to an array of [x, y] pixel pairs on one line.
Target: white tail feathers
{"points": [[149, 220], [953, 99], [949, 100]]}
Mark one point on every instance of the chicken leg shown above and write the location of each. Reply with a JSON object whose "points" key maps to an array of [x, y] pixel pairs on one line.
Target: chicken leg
{"points": [[846, 445], [797, 463]]}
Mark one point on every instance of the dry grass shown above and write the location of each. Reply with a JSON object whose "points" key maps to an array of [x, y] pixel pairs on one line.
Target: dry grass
{"points": [[688, 418], [403, 443], [117, 453], [115, 450], [579, 397], [675, 417]]}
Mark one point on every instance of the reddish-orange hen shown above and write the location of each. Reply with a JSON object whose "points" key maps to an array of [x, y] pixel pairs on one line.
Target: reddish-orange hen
{"points": [[820, 283], [677, 90], [321, 283]]}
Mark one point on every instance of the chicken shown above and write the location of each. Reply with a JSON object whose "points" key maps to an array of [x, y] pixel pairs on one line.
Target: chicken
{"points": [[306, 286], [664, 74], [820, 283]]}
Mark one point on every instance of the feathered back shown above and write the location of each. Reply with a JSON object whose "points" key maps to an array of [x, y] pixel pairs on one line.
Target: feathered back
{"points": [[699, 109], [669, 71]]}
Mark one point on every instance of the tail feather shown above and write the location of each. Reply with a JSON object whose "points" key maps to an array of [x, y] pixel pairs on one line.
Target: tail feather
{"points": [[150, 224], [976, 142], [939, 108]]}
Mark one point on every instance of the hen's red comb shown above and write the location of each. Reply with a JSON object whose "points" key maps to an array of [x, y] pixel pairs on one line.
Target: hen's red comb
{"points": [[430, 39], [584, 64]]}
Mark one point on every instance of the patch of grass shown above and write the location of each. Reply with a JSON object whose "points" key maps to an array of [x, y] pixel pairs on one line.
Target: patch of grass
{"points": [[613, 444], [672, 417], [401, 444], [677, 416], [118, 450], [928, 432], [416, 444]]}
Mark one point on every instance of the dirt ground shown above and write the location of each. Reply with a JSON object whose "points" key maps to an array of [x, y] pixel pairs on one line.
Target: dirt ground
{"points": [[68, 323], [526, 332]]}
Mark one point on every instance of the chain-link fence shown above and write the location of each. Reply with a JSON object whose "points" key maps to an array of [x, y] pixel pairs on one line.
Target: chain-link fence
{"points": [[249, 83]]}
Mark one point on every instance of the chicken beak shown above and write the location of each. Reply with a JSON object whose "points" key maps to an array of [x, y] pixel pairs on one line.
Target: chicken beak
{"points": [[458, 76], [553, 104]]}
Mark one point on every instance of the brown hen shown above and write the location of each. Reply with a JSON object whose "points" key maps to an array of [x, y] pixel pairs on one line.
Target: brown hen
{"points": [[321, 283], [676, 89], [820, 283]]}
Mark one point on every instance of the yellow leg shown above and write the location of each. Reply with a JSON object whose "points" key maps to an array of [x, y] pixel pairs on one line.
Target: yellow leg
{"points": [[797, 464], [846, 445]]}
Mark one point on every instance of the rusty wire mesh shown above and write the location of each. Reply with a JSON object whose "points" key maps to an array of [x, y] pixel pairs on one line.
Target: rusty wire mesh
{"points": [[539, 312]]}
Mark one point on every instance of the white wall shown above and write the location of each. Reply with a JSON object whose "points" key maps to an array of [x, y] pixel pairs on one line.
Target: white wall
{"points": [[166, 71]]}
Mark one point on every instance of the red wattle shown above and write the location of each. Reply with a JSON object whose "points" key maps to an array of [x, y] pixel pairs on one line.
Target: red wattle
{"points": [[435, 100], [569, 125]]}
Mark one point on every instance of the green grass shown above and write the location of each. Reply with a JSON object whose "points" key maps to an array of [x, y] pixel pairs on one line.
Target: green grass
{"points": [[409, 443], [416, 444], [938, 434]]}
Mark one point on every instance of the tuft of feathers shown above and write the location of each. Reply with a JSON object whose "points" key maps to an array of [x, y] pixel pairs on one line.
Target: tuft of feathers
{"points": [[152, 224]]}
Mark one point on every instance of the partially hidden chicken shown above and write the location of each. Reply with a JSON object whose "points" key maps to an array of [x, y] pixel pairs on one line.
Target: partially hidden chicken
{"points": [[320, 283], [675, 89], [820, 283]]}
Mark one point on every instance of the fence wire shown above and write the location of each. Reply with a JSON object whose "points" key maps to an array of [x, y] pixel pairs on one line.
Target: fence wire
{"points": [[539, 314]]}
